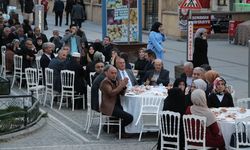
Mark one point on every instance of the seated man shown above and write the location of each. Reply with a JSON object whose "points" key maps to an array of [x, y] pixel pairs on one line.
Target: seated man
{"points": [[111, 90], [95, 88], [157, 76], [48, 48], [188, 72], [57, 64], [125, 73], [98, 69]]}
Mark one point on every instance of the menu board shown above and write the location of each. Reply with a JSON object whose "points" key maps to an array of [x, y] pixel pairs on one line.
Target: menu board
{"points": [[122, 23]]}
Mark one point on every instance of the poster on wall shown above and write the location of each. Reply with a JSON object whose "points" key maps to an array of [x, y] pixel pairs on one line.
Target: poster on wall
{"points": [[183, 18], [122, 22]]}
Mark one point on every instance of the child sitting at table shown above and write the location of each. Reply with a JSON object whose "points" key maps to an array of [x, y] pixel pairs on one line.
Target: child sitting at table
{"points": [[220, 97]]}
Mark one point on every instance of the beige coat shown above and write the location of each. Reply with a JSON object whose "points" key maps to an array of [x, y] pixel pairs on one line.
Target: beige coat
{"points": [[110, 93]]}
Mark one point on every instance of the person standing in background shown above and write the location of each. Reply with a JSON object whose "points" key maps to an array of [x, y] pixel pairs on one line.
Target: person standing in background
{"points": [[155, 40], [78, 14], [58, 9], [68, 9], [28, 10], [200, 48], [45, 4], [21, 2]]}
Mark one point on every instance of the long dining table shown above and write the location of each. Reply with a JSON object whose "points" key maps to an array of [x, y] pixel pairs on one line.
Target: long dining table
{"points": [[132, 103], [226, 118]]}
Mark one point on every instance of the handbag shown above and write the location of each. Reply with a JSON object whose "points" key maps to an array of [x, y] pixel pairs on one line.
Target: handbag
{"points": [[240, 135]]}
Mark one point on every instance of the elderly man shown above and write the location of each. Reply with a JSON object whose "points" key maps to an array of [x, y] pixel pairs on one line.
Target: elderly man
{"points": [[157, 76], [56, 38], [80, 85], [38, 34], [198, 73], [57, 64], [125, 73], [46, 57], [111, 90], [188, 72]]}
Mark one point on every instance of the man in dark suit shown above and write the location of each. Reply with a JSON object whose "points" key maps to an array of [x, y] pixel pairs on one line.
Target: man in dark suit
{"points": [[157, 76], [78, 14], [95, 88], [111, 90], [125, 73], [57, 64], [48, 48]]}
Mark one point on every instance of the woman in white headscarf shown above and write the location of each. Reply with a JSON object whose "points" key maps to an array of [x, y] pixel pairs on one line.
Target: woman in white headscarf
{"points": [[199, 108], [200, 48]]}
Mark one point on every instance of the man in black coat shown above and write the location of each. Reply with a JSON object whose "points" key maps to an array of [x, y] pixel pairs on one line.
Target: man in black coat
{"points": [[48, 48], [68, 9], [80, 85], [78, 14], [58, 9], [157, 76], [107, 48]]}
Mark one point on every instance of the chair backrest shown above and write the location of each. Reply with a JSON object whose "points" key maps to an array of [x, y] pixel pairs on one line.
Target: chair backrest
{"points": [[89, 96], [91, 74], [243, 102], [169, 127], [100, 97], [18, 63], [38, 65], [132, 65], [3, 67], [150, 107], [195, 130], [49, 78], [242, 135], [68, 79], [31, 77]]}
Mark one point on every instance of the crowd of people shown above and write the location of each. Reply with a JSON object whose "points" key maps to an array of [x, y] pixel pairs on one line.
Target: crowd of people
{"points": [[198, 89]]}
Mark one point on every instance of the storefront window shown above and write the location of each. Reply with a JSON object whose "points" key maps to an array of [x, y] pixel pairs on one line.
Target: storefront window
{"points": [[222, 2]]}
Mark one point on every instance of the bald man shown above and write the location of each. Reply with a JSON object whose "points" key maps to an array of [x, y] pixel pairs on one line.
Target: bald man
{"points": [[157, 76], [111, 90]]}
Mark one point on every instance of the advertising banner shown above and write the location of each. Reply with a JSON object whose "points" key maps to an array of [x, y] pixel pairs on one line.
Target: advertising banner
{"points": [[121, 22]]}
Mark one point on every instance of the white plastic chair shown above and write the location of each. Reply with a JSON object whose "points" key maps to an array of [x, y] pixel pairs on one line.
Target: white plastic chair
{"points": [[39, 69], [3, 66], [68, 82], [91, 74], [132, 66], [242, 127], [49, 86], [169, 127], [32, 82], [195, 131], [91, 114], [149, 113], [108, 120], [243, 102], [18, 73]]}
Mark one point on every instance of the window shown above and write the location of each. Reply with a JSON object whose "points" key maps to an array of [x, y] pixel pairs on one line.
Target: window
{"points": [[222, 2]]}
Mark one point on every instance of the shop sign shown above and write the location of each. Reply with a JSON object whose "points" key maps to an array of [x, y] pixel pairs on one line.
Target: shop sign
{"points": [[190, 41], [202, 21]]}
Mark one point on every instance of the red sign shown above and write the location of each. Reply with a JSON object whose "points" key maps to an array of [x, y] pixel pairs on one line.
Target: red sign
{"points": [[191, 4], [202, 21]]}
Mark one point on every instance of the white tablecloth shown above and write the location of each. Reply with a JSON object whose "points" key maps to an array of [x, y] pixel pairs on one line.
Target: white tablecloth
{"points": [[132, 104], [227, 124]]}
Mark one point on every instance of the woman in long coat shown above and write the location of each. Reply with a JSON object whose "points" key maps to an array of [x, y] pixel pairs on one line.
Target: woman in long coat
{"points": [[200, 48]]}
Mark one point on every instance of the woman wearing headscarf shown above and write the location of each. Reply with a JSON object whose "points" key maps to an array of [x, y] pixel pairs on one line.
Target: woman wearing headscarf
{"points": [[180, 83], [220, 97], [173, 103], [210, 76], [196, 84], [200, 48], [156, 39], [199, 108]]}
